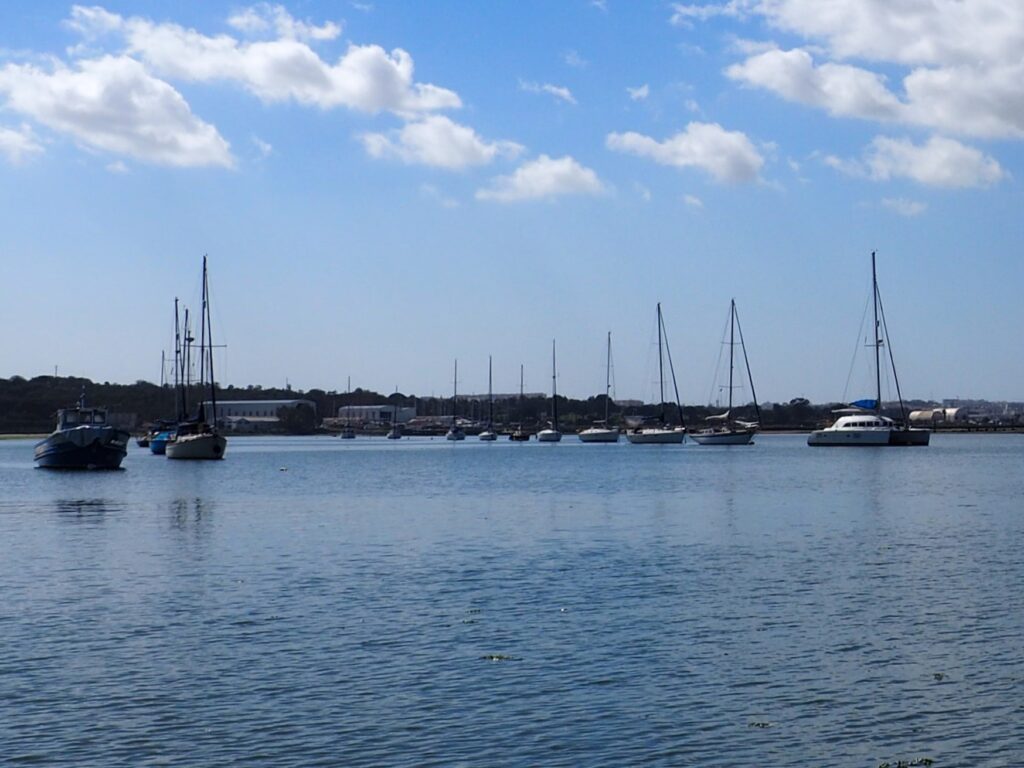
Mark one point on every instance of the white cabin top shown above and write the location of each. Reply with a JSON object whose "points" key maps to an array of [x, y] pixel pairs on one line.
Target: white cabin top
{"points": [[863, 421]]}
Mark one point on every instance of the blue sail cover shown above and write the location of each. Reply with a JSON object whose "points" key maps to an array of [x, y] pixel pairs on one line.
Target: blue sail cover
{"points": [[869, 405]]}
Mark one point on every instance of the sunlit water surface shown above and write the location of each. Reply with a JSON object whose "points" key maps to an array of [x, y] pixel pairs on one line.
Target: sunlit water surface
{"points": [[311, 601]]}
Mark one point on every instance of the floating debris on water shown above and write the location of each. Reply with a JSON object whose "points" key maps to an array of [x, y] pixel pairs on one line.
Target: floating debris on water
{"points": [[499, 657], [939, 677], [759, 724], [925, 761]]}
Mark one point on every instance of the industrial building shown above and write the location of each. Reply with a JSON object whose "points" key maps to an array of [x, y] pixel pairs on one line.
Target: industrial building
{"points": [[253, 415], [375, 414]]}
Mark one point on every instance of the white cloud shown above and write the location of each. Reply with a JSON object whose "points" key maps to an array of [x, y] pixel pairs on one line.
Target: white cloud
{"points": [[639, 93], [729, 156], [573, 59], [439, 142], [431, 192], [114, 104], [684, 14], [262, 147], [955, 66], [18, 145], [363, 7], [365, 78], [544, 177], [904, 207], [559, 92], [693, 201], [939, 162], [264, 17], [117, 167]]}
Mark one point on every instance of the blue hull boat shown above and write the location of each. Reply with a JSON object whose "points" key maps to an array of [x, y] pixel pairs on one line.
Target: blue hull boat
{"points": [[158, 443]]}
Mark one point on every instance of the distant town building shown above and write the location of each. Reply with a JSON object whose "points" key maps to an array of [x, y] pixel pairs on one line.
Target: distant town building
{"points": [[934, 416], [375, 414], [254, 415]]}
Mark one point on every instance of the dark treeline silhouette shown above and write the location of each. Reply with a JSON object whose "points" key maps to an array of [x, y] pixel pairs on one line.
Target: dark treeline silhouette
{"points": [[29, 405]]}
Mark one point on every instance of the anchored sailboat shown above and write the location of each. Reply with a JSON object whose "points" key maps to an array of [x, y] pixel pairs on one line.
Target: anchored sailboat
{"points": [[551, 434], [489, 435], [725, 428], [455, 431], [658, 430], [862, 423], [602, 431]]}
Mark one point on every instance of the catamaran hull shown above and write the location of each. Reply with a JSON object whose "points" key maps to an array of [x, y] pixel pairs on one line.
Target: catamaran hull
{"points": [[599, 436], [745, 437], [208, 447], [869, 437], [656, 437], [83, 448]]}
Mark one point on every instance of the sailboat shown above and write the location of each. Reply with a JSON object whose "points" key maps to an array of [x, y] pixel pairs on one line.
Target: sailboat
{"points": [[658, 430], [551, 434], [725, 428], [395, 433], [455, 431], [602, 432], [520, 435], [862, 423], [198, 438], [489, 435], [347, 430], [161, 435]]}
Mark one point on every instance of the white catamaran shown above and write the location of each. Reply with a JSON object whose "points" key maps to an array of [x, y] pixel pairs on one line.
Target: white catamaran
{"points": [[862, 423]]}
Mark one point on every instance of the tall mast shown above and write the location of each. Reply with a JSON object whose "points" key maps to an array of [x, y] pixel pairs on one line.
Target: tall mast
{"points": [[554, 392], [878, 341], [490, 393], [209, 341], [455, 393], [732, 346], [608, 377], [187, 373], [179, 409], [672, 369], [746, 362], [661, 370]]}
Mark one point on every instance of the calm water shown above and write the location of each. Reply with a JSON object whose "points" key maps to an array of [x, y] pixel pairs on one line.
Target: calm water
{"points": [[325, 602]]}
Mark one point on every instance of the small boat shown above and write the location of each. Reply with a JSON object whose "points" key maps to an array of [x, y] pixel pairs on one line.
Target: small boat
{"points": [[657, 430], [158, 442], [83, 440], [489, 435], [724, 428], [143, 440], [198, 438], [455, 432], [348, 432], [862, 422], [395, 433], [520, 435], [602, 432], [551, 433]]}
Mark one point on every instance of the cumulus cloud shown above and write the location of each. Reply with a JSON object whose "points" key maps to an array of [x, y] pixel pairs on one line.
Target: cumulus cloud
{"points": [[114, 104], [955, 66], [437, 141], [693, 201], [573, 59], [684, 14], [639, 93], [904, 207], [366, 78], [264, 17], [17, 145], [939, 162], [729, 156], [559, 92], [544, 177]]}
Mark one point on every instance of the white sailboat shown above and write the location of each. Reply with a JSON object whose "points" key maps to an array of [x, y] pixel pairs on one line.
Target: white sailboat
{"points": [[551, 433], [520, 435], [489, 435], [602, 432], [658, 431], [725, 428], [862, 423], [455, 431], [395, 433], [198, 438], [348, 432]]}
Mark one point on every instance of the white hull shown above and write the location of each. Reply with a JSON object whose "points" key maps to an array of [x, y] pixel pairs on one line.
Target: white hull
{"points": [[549, 436], [394, 435], [455, 434], [725, 437], [598, 435], [205, 446], [488, 436], [656, 436]]}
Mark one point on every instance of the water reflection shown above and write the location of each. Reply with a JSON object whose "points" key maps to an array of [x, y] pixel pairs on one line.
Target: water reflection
{"points": [[84, 510], [194, 514]]}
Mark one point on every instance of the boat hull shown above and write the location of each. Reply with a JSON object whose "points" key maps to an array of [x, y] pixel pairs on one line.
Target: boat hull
{"points": [[731, 437], [455, 434], [487, 436], [596, 435], [83, 448], [158, 443], [519, 437], [656, 437], [549, 436], [869, 437], [206, 446]]}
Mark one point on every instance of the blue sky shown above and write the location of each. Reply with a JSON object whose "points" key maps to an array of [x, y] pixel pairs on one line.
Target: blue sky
{"points": [[384, 186]]}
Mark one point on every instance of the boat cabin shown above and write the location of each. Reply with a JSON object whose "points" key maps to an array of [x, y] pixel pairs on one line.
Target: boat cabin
{"points": [[863, 421], [70, 418]]}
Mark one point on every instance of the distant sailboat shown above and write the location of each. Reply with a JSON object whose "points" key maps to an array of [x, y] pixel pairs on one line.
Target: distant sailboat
{"points": [[520, 435], [658, 431], [725, 428], [489, 435], [347, 431], [455, 431], [862, 423], [602, 432], [395, 433], [551, 434]]}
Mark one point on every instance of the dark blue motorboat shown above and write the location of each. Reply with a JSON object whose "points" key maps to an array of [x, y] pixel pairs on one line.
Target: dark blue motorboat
{"points": [[83, 440]]}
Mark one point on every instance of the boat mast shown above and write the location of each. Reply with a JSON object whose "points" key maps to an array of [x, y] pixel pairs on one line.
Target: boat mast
{"points": [[746, 362], [187, 373], [455, 394], [490, 393], [878, 341], [554, 393], [209, 340], [732, 347], [661, 369], [608, 378], [671, 368]]}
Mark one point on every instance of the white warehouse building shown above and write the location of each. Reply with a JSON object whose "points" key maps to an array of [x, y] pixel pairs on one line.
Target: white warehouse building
{"points": [[375, 414], [253, 415]]}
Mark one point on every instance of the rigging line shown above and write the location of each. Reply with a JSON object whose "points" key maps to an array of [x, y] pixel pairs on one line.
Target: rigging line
{"points": [[856, 346], [746, 361], [718, 364], [892, 362], [672, 369]]}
